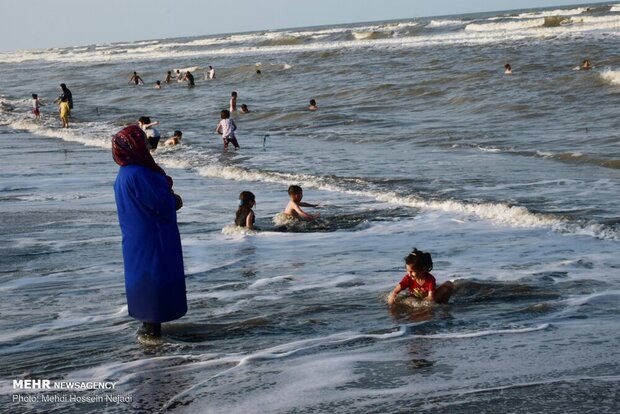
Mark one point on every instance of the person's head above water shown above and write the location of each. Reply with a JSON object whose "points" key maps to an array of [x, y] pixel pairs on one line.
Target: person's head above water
{"points": [[244, 108], [178, 134], [225, 114], [258, 72], [507, 66], [35, 96], [233, 94], [144, 120], [295, 192], [247, 199], [419, 261]]}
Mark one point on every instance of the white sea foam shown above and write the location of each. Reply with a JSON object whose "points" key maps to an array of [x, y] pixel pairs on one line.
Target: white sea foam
{"points": [[474, 33], [505, 26], [444, 23], [611, 76], [615, 8]]}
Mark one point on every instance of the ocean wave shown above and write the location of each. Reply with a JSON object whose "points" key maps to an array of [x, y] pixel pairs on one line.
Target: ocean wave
{"points": [[611, 76], [98, 135], [390, 35], [444, 23], [505, 26]]}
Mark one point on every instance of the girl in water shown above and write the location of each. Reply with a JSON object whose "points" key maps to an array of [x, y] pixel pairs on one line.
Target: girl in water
{"points": [[420, 282], [245, 215]]}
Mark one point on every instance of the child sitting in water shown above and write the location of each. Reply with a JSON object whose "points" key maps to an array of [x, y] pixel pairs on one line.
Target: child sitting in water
{"points": [[245, 215], [226, 128], [312, 106], [420, 282], [175, 139], [293, 208], [507, 69]]}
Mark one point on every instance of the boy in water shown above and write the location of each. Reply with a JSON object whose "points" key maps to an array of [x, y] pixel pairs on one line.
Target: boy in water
{"points": [[312, 106], [211, 73], [189, 78], [175, 139], [226, 128], [152, 133], [36, 104], [136, 79], [233, 102], [293, 208]]}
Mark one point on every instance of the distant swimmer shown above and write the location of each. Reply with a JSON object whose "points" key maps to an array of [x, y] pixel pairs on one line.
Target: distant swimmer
{"points": [[312, 106], [258, 72], [136, 79], [189, 78], [175, 139], [507, 69], [168, 78], [233, 102], [293, 208], [420, 282], [65, 110], [36, 105], [66, 93], [245, 109], [226, 128], [245, 215], [152, 134], [211, 73], [157, 85], [179, 76], [586, 64]]}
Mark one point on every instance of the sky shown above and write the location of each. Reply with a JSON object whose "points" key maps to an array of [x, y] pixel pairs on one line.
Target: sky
{"points": [[41, 24]]}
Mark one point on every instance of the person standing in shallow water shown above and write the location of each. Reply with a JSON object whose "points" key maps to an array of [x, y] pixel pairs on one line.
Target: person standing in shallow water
{"points": [[152, 254]]}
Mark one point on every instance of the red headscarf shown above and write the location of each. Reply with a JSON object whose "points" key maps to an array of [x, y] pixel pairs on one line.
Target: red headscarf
{"points": [[129, 148]]}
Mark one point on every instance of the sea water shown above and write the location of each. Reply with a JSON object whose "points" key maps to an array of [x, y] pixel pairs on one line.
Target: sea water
{"points": [[420, 140]]}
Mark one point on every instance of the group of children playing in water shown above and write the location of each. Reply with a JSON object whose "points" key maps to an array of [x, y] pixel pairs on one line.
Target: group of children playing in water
{"points": [[418, 280]]}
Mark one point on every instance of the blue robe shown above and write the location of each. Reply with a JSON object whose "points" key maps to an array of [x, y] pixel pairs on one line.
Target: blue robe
{"points": [[154, 277]]}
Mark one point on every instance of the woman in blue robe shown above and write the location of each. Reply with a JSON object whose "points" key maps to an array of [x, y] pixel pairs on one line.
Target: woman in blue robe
{"points": [[146, 206]]}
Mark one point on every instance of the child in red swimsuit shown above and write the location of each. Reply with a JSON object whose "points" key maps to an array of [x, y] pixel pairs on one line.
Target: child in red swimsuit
{"points": [[420, 282]]}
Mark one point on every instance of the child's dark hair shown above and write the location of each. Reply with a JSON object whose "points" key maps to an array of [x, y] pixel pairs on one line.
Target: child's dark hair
{"points": [[419, 260], [246, 199], [233, 94], [225, 114], [35, 96], [294, 190], [144, 120], [178, 133], [312, 102]]}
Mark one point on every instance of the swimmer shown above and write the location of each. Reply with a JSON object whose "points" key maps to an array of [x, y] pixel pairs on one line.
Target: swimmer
{"points": [[312, 106], [152, 134], [258, 72], [233, 102], [245, 109], [211, 73], [168, 78], [293, 208], [157, 85], [507, 69], [245, 215], [189, 78], [136, 79], [420, 282], [179, 76], [175, 139], [586, 64]]}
